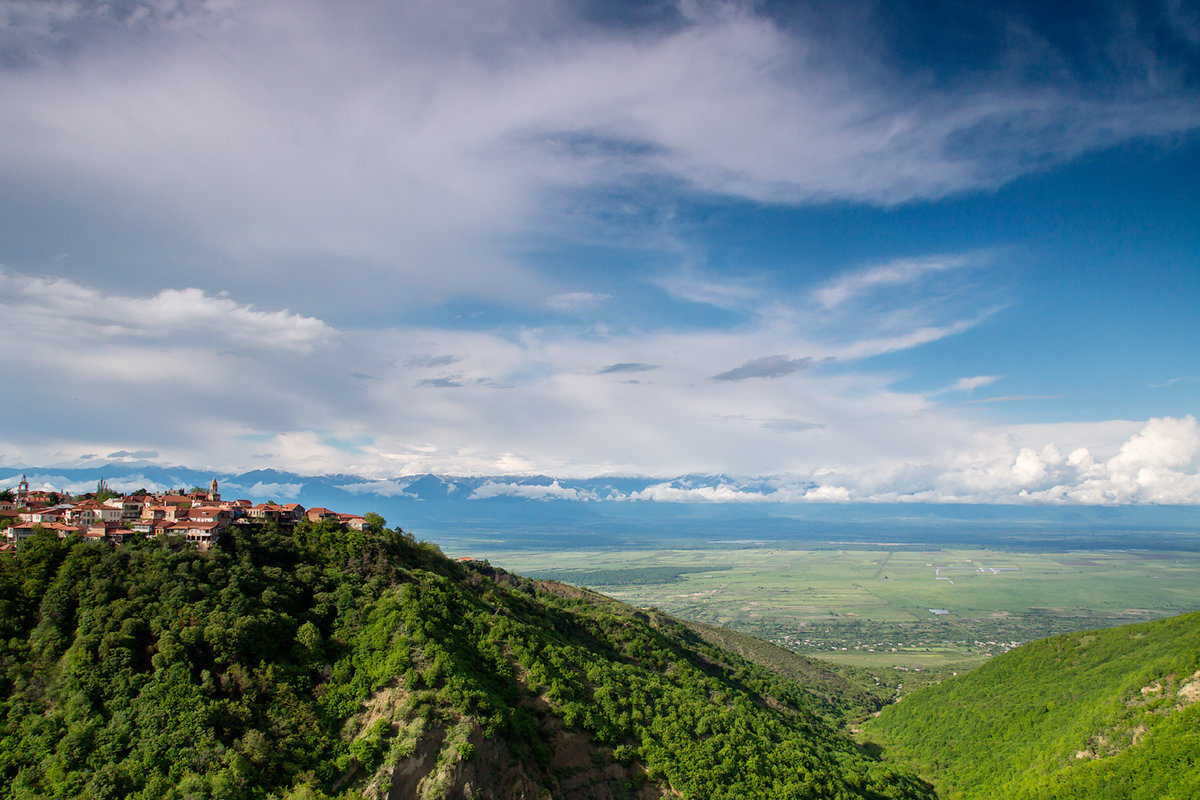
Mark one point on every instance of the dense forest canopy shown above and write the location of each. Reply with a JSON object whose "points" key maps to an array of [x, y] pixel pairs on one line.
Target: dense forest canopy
{"points": [[319, 662]]}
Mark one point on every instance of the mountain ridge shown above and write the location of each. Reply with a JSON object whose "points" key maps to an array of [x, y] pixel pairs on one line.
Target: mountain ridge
{"points": [[548, 511]]}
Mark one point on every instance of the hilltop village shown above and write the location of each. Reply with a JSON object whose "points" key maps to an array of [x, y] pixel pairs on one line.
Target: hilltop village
{"points": [[197, 516]]}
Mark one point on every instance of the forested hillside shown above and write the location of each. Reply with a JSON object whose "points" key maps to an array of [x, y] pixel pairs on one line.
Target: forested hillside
{"points": [[324, 662], [1103, 714]]}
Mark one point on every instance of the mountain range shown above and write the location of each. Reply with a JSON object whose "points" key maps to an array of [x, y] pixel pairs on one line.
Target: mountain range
{"points": [[463, 512]]}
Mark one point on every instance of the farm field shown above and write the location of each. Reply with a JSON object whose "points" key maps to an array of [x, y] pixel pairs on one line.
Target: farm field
{"points": [[928, 610]]}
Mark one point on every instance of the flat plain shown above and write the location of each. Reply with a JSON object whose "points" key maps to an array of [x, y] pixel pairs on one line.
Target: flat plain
{"points": [[934, 610]]}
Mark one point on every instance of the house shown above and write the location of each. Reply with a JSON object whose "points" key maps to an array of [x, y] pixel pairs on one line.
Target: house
{"points": [[200, 534], [265, 512], [62, 529], [43, 516], [353, 522], [292, 512], [319, 514], [216, 514], [109, 532], [90, 512], [20, 532], [151, 527], [130, 507]]}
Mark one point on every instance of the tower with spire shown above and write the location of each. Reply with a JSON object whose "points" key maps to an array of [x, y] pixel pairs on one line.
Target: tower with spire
{"points": [[213, 494]]}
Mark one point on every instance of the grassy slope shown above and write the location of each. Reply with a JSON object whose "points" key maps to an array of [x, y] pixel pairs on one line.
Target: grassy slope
{"points": [[1101, 714]]}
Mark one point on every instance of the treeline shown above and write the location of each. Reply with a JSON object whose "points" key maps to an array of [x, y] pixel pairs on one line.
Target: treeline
{"points": [[259, 670], [1102, 714], [628, 576]]}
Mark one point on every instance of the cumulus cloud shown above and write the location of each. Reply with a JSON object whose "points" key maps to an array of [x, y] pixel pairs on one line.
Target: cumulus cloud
{"points": [[531, 491], [75, 315], [725, 493], [383, 488], [61, 483], [1159, 464], [287, 491], [789, 489]]}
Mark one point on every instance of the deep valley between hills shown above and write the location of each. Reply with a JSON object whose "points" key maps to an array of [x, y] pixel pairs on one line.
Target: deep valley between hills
{"points": [[319, 663]]}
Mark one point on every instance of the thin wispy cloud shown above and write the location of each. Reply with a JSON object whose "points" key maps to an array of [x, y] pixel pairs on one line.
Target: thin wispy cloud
{"points": [[577, 302], [442, 383], [790, 425], [1015, 398], [884, 276], [767, 367], [691, 287], [967, 385], [1172, 382], [626, 366], [133, 454]]}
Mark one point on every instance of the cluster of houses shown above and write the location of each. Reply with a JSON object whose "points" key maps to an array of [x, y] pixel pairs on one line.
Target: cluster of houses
{"points": [[197, 516]]}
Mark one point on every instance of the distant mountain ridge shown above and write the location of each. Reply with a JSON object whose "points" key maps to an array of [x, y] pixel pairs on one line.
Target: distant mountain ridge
{"points": [[630, 511]]}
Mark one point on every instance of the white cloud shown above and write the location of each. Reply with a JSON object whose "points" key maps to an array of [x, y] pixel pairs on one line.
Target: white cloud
{"points": [[60, 483], [530, 491], [73, 316], [689, 285], [886, 276], [1159, 464], [577, 302], [383, 488], [358, 162], [303, 409], [766, 367], [288, 491], [311, 153], [724, 493], [970, 384]]}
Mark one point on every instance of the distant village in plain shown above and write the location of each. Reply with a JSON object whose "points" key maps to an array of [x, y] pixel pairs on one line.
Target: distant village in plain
{"points": [[197, 516]]}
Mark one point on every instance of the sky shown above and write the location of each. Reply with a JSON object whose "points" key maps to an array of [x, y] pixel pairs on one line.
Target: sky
{"points": [[911, 251]]}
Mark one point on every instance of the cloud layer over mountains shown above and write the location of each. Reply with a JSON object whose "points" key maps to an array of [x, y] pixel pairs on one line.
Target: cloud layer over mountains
{"points": [[900, 251]]}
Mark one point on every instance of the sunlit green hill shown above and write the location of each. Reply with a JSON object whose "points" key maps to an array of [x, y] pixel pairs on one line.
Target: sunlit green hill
{"points": [[1103, 714], [326, 663]]}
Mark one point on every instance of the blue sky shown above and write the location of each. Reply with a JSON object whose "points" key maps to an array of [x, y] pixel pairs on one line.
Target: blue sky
{"points": [[907, 251]]}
